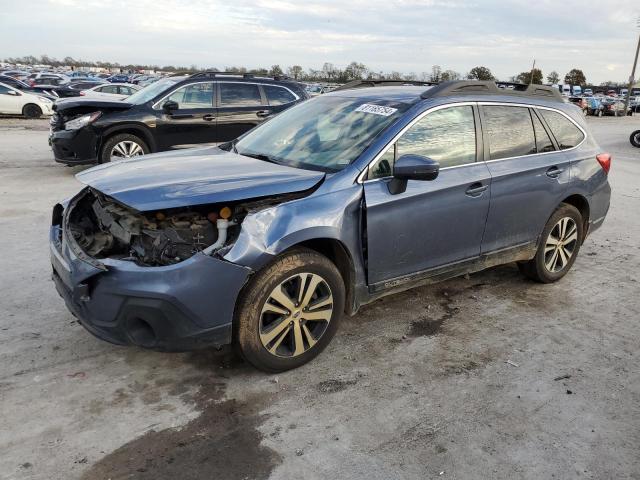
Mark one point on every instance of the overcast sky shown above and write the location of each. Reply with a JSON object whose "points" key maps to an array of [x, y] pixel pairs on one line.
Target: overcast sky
{"points": [[405, 35]]}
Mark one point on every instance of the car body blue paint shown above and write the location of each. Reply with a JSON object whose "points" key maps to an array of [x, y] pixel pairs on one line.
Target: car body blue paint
{"points": [[390, 239], [194, 177]]}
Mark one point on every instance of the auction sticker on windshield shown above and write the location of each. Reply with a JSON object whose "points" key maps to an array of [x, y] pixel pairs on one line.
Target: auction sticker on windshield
{"points": [[376, 109]]}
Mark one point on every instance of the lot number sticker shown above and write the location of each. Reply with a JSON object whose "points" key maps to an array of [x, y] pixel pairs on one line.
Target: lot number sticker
{"points": [[376, 109]]}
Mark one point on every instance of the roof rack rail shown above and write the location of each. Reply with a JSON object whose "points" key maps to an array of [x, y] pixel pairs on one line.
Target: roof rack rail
{"points": [[381, 83], [213, 74], [478, 87]]}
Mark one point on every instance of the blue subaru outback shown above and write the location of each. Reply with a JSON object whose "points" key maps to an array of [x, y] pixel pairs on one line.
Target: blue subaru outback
{"points": [[266, 241]]}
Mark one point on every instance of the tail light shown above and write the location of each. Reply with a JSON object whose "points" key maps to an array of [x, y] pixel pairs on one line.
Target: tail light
{"points": [[604, 159], [82, 94]]}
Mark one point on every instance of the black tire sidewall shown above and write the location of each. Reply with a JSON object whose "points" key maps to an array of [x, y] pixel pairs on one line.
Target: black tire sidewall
{"points": [[251, 300], [634, 139], [113, 141], [32, 111], [543, 274]]}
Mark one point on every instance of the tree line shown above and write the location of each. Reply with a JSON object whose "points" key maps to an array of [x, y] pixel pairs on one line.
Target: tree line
{"points": [[327, 73]]}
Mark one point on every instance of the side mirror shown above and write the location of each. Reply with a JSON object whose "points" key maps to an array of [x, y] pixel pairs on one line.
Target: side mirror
{"points": [[412, 167], [170, 106], [13, 92]]}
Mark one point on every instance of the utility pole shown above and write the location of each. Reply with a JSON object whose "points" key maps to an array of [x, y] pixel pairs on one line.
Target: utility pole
{"points": [[531, 74], [633, 74]]}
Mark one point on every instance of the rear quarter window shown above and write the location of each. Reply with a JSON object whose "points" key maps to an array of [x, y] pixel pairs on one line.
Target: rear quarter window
{"points": [[278, 95], [567, 134]]}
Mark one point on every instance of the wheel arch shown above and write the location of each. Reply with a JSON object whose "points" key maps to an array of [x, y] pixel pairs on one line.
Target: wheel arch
{"points": [[338, 253], [582, 204], [31, 104], [132, 129]]}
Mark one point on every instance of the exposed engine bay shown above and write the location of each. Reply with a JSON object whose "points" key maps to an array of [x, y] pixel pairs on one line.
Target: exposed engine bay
{"points": [[104, 228]]}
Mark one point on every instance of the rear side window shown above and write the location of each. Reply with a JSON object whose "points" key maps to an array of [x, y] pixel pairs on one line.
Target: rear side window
{"points": [[543, 142], [109, 89], [447, 136], [509, 130], [278, 95], [239, 95], [567, 134]]}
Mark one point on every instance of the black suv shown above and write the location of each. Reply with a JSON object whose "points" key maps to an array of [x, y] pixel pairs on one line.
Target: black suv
{"points": [[178, 111]]}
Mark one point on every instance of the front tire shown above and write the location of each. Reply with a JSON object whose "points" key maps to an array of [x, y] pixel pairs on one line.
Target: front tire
{"points": [[635, 139], [31, 111], [289, 311], [122, 146], [559, 246]]}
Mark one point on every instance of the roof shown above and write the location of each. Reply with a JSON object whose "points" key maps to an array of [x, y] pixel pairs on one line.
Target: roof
{"points": [[400, 94], [458, 88]]}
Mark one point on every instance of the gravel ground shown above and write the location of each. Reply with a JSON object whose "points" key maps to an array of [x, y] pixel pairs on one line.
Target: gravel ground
{"points": [[490, 376]]}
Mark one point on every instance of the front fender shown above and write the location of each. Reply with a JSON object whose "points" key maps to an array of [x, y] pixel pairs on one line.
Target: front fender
{"points": [[332, 215]]}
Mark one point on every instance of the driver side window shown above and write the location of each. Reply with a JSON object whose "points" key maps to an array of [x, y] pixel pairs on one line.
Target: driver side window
{"points": [[447, 136], [196, 95]]}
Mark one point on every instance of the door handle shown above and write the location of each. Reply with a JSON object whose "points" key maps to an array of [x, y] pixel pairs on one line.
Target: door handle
{"points": [[263, 113], [476, 189], [209, 117], [554, 172]]}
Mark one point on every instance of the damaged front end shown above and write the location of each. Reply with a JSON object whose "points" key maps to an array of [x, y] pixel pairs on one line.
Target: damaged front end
{"points": [[103, 228]]}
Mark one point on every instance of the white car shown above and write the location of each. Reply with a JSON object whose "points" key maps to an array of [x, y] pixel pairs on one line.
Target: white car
{"points": [[18, 102], [112, 91]]}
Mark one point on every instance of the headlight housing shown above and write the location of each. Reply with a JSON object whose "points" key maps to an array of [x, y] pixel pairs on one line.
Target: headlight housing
{"points": [[44, 99], [82, 121]]}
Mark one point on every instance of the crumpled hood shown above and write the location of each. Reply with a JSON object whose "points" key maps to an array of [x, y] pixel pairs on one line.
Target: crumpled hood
{"points": [[195, 176]]}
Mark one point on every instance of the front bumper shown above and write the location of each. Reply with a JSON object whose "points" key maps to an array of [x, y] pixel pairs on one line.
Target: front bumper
{"points": [[180, 307], [74, 147]]}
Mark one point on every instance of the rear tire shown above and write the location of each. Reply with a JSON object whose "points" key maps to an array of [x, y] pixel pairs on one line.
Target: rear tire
{"points": [[559, 246], [121, 146], [635, 139], [289, 311], [31, 110]]}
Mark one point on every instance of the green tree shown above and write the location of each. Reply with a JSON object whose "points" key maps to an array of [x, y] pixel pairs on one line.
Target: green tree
{"points": [[355, 71], [525, 77], [449, 75], [295, 71], [276, 71], [480, 73], [436, 73], [553, 78], [575, 77]]}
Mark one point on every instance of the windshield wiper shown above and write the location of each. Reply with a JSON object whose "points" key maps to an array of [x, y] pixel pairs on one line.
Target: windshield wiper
{"points": [[259, 156]]}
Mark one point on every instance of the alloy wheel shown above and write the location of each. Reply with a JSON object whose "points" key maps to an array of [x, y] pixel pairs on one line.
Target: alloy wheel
{"points": [[296, 315], [126, 149], [560, 245]]}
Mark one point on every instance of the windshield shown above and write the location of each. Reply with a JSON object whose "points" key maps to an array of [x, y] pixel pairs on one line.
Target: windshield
{"points": [[324, 133], [151, 91]]}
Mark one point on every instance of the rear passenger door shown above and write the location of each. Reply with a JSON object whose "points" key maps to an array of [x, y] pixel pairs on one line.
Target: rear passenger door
{"points": [[529, 174], [241, 106]]}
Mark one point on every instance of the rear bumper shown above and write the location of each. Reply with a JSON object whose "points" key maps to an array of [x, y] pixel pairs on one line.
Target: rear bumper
{"points": [[74, 147], [181, 307]]}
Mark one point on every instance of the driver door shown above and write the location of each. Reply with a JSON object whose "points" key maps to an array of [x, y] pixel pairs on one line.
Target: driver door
{"points": [[193, 122], [432, 223]]}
